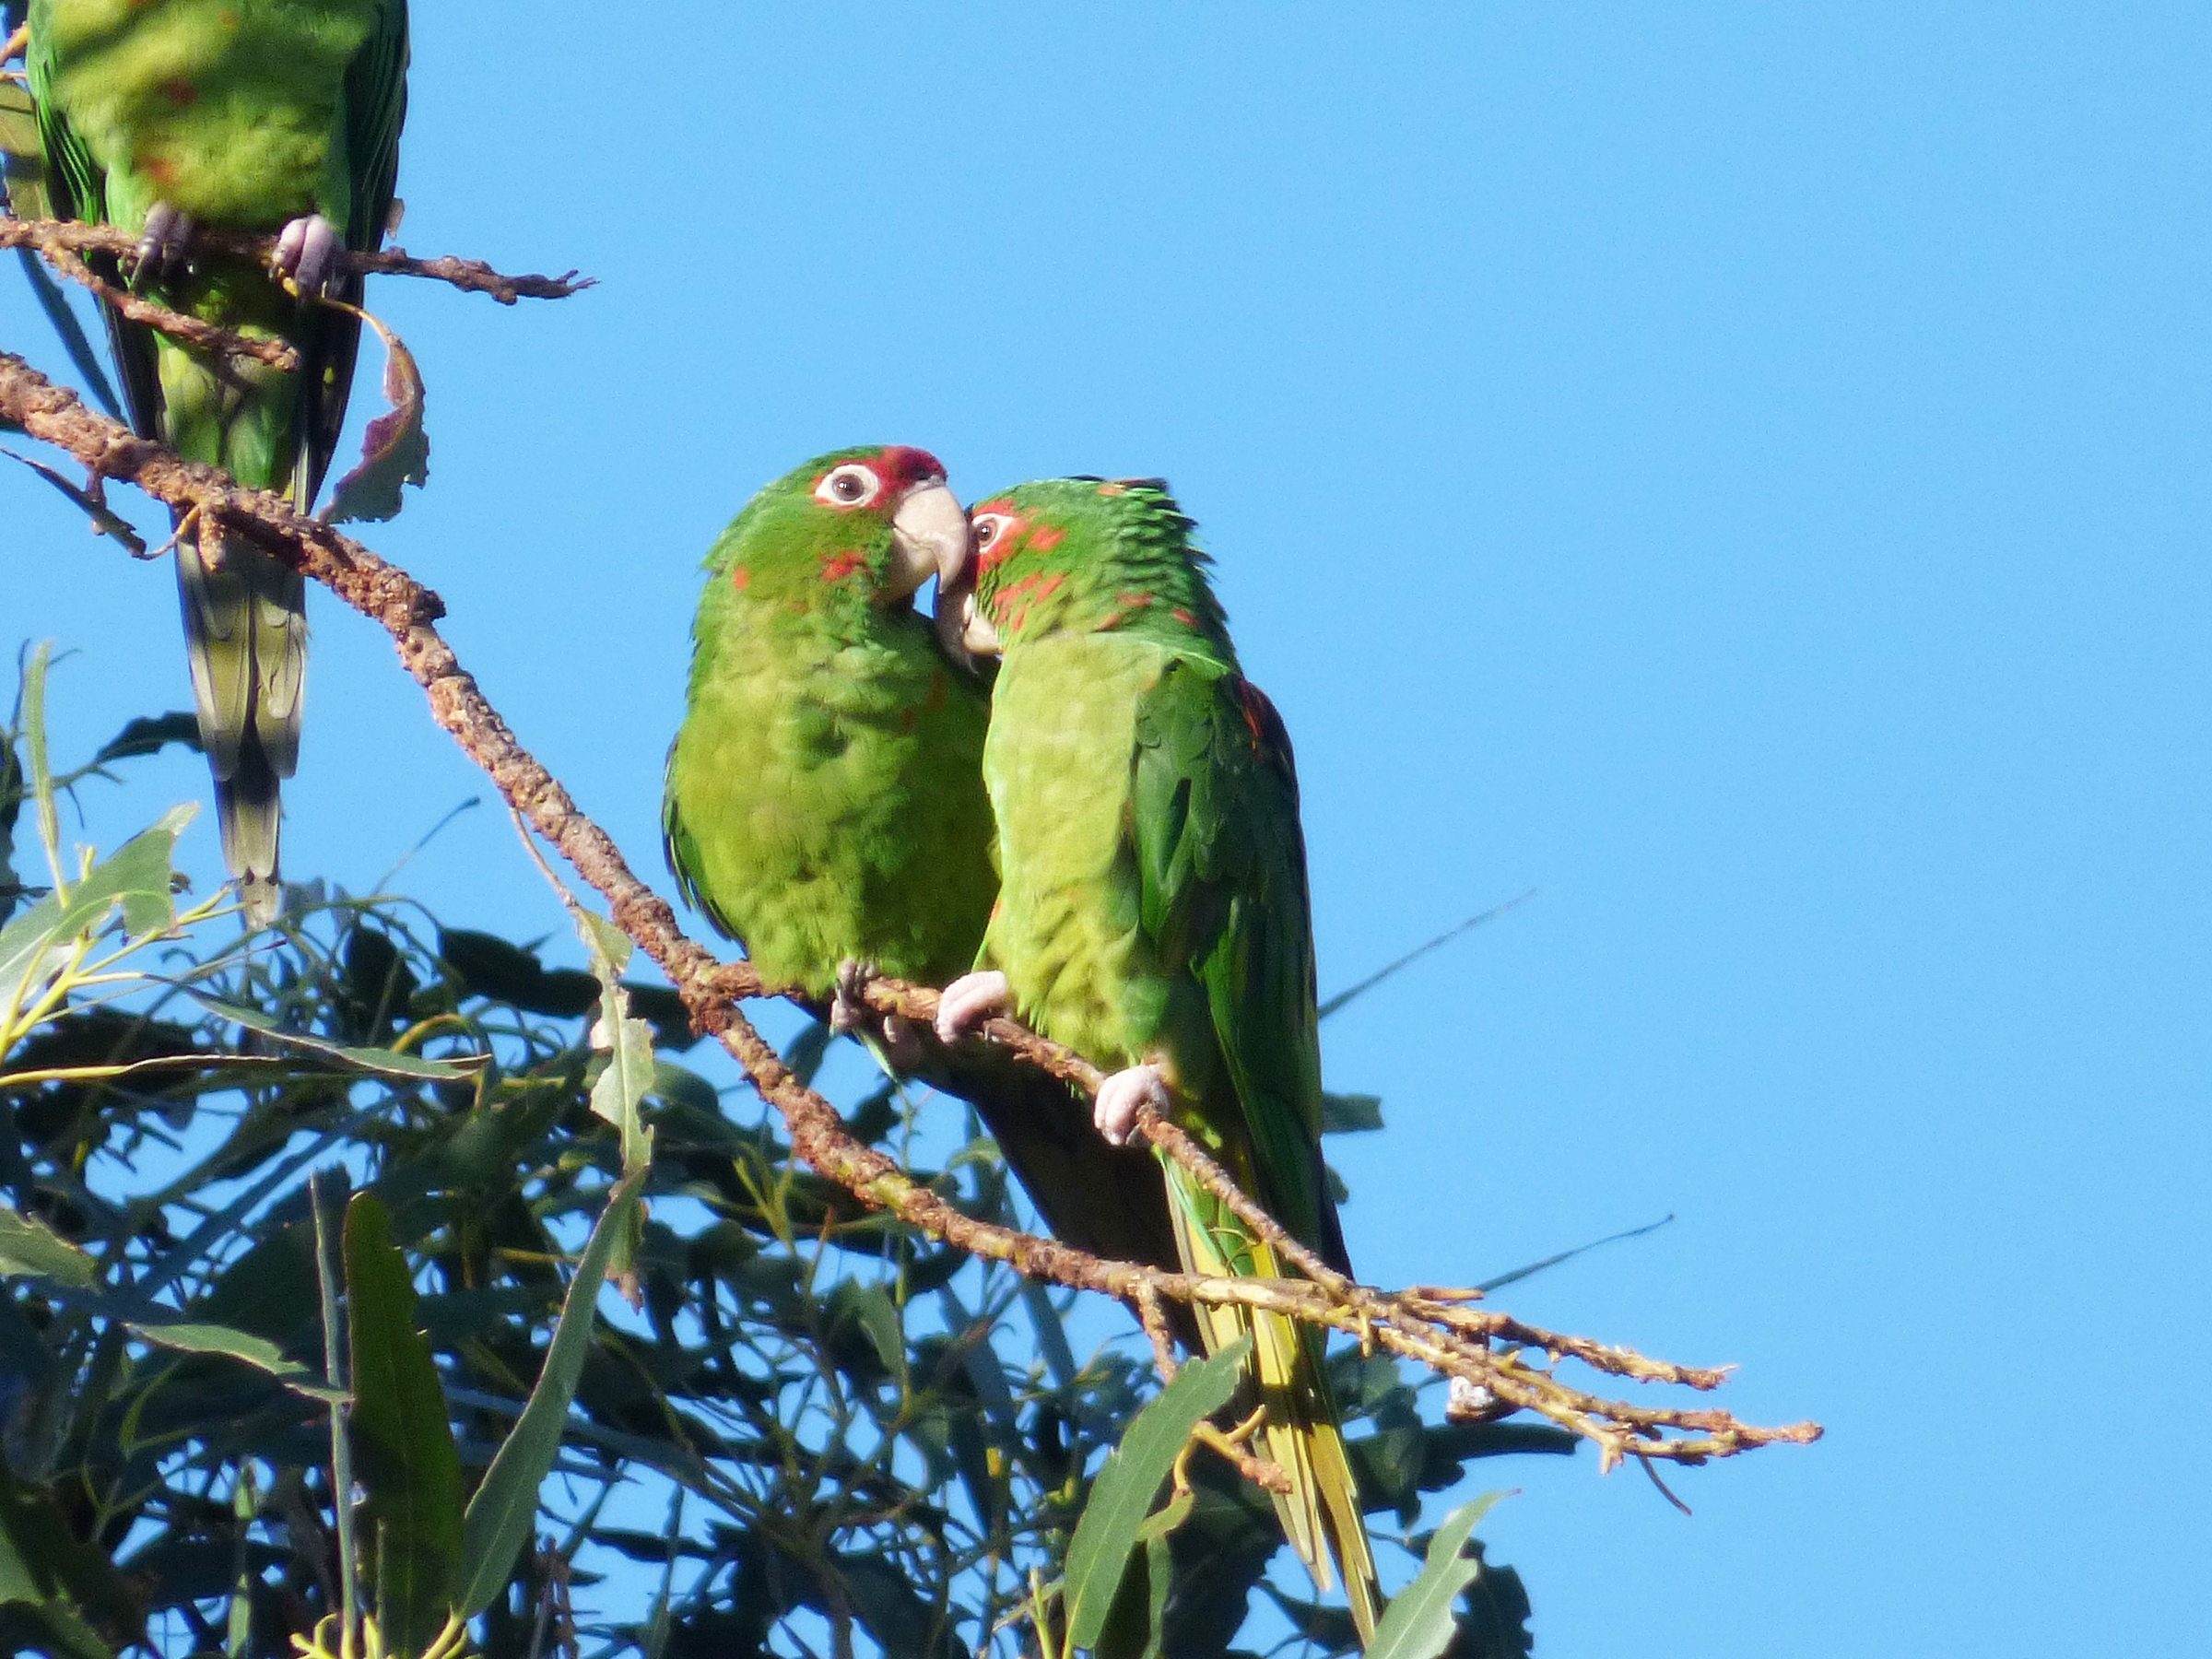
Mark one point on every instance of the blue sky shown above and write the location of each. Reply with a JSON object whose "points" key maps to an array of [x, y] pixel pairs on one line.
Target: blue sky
{"points": [[1739, 470]]}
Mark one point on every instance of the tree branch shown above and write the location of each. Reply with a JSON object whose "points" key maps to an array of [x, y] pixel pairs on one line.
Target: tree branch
{"points": [[1435, 1328]]}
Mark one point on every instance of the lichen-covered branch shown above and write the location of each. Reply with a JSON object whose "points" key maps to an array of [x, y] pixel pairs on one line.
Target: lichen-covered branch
{"points": [[1437, 1328]]}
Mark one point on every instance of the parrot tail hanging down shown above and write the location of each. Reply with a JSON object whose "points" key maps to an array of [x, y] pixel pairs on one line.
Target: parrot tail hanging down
{"points": [[252, 117], [824, 803], [1153, 915]]}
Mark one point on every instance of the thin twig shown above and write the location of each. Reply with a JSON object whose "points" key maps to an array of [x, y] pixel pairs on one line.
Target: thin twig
{"points": [[471, 276], [1439, 1331]]}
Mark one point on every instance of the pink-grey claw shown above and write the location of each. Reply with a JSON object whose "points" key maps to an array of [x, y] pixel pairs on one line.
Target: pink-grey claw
{"points": [[902, 1048], [166, 243], [308, 251], [849, 1010], [1120, 1099], [969, 1001]]}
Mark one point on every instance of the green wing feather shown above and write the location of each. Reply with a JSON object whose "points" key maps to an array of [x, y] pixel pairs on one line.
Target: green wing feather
{"points": [[1221, 864]]}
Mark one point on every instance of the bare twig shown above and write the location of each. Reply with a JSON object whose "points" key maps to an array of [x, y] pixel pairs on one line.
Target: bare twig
{"points": [[1438, 1329], [51, 236]]}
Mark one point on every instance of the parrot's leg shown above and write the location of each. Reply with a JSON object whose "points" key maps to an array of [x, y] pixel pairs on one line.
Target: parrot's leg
{"points": [[1122, 1096], [850, 1015], [165, 244], [308, 252], [969, 1001]]}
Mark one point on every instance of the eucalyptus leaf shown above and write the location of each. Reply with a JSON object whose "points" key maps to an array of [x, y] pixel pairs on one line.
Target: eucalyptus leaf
{"points": [[1417, 1624], [403, 1445], [1122, 1496], [504, 1513], [29, 1246]]}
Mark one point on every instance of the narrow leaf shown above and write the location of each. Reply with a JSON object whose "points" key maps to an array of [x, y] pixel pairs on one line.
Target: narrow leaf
{"points": [[149, 733], [1350, 1113], [502, 1513], [1417, 1623], [196, 1337], [29, 1246], [376, 1062], [403, 1444], [104, 518], [1119, 1497]]}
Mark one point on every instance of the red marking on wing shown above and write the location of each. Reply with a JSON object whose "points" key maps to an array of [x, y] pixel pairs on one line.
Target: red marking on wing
{"points": [[937, 693], [1250, 698], [1183, 617], [181, 92], [836, 567], [741, 578], [1113, 489]]}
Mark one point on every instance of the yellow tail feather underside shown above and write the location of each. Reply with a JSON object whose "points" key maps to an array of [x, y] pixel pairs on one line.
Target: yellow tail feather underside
{"points": [[1299, 1433]]}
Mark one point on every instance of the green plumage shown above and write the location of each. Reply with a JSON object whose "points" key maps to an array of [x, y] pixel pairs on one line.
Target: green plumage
{"points": [[1154, 906], [242, 115], [825, 803], [824, 798]]}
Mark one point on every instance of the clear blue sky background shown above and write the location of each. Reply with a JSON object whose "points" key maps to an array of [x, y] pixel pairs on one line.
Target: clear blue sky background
{"points": [[1738, 470]]}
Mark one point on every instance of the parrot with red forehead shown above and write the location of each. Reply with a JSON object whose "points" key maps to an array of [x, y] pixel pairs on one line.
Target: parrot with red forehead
{"points": [[279, 116], [1153, 915], [824, 800]]}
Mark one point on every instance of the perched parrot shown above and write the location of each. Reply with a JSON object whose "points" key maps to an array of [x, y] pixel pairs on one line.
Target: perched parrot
{"points": [[1153, 913], [824, 803], [254, 116]]}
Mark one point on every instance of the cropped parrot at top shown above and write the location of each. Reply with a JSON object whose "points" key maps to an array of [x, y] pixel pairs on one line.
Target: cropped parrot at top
{"points": [[1153, 913], [824, 802], [251, 116]]}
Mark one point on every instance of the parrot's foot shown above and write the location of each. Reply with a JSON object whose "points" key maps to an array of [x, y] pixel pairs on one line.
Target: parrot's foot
{"points": [[1122, 1096], [308, 251], [902, 1048], [165, 245], [850, 1016], [969, 1001], [1466, 1402], [849, 1010]]}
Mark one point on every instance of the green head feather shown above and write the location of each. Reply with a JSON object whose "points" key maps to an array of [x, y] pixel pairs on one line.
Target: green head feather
{"points": [[1093, 556]]}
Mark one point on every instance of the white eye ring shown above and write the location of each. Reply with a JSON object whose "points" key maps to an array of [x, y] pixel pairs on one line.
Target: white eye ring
{"points": [[989, 527], [853, 484]]}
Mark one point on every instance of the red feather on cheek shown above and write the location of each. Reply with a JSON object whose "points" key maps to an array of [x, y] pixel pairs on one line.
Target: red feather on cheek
{"points": [[836, 567]]}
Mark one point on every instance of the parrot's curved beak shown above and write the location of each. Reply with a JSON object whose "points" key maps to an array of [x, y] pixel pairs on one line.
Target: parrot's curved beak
{"points": [[977, 633], [929, 537]]}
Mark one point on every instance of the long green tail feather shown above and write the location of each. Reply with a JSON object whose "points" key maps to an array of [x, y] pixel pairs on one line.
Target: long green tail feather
{"points": [[1300, 1432]]}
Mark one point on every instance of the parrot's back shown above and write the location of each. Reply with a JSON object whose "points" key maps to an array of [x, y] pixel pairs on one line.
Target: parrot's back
{"points": [[240, 116]]}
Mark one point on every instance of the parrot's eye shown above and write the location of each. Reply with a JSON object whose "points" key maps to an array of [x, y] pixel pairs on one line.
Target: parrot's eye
{"points": [[989, 527], [851, 485]]}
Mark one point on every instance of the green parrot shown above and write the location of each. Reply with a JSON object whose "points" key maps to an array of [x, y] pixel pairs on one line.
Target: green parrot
{"points": [[1153, 913], [162, 117], [824, 803]]}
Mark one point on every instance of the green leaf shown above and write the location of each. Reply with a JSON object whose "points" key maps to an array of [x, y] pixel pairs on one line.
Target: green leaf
{"points": [[29, 1246], [395, 450], [1417, 1623], [1350, 1113], [89, 503], [403, 1444], [149, 733], [502, 1513], [137, 878], [196, 1337], [1119, 1497], [376, 1062], [43, 1565]]}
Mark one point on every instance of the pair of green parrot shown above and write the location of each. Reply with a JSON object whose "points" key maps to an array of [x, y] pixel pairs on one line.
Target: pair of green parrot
{"points": [[1105, 843], [1103, 840], [165, 117]]}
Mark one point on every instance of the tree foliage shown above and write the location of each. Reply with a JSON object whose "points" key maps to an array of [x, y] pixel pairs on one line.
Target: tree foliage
{"points": [[796, 1425]]}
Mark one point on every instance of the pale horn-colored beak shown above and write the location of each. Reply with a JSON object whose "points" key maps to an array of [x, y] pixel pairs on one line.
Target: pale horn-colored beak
{"points": [[929, 537]]}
